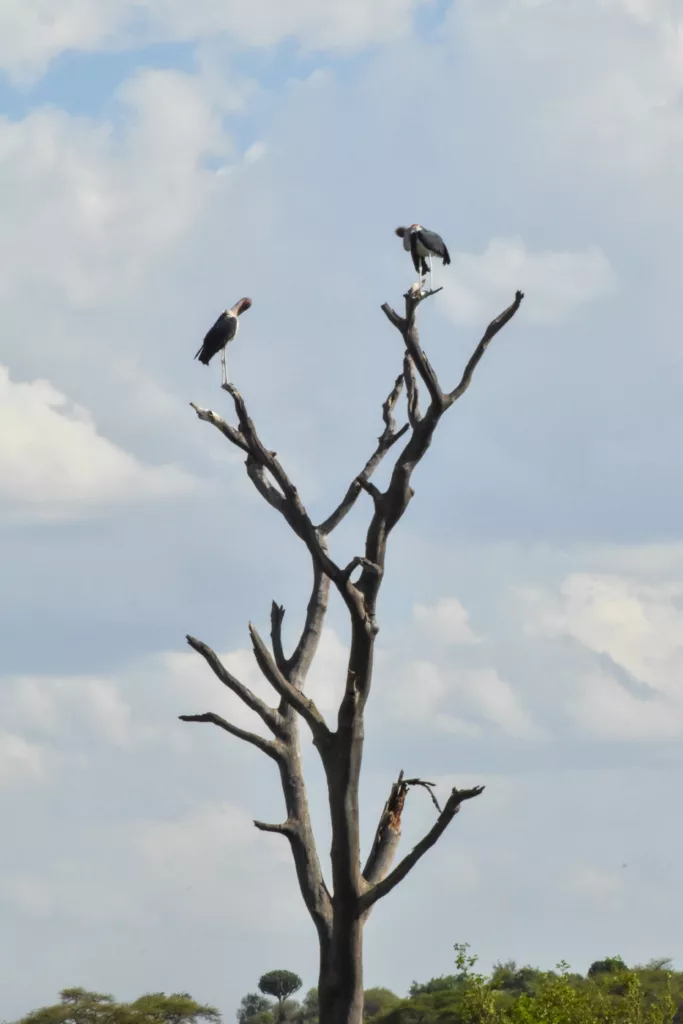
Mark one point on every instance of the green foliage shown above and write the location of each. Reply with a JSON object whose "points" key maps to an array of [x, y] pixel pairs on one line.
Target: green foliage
{"points": [[255, 1008], [310, 1009], [610, 965], [446, 982], [77, 1006], [378, 1001], [280, 984], [508, 977], [611, 993]]}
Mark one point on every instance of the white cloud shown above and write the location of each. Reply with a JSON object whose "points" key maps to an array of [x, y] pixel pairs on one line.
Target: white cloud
{"points": [[559, 281], [187, 856], [19, 760], [208, 865], [447, 622], [438, 697], [639, 626], [418, 697], [55, 464], [605, 710], [623, 112], [33, 32], [53, 705], [495, 701], [87, 204]]}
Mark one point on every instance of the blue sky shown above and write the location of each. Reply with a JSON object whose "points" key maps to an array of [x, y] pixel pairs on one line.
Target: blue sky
{"points": [[152, 171]]}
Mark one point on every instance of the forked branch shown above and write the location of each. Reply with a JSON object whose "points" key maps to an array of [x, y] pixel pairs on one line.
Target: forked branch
{"points": [[388, 833], [290, 694], [451, 808], [267, 714], [386, 440], [490, 333]]}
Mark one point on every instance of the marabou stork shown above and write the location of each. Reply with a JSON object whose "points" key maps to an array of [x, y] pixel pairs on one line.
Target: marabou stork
{"points": [[221, 334], [423, 245]]}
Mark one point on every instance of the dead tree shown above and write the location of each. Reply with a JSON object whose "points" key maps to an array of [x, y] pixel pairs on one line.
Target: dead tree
{"points": [[339, 912]]}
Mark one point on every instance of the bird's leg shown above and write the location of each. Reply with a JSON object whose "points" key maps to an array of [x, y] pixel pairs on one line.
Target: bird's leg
{"points": [[431, 284], [224, 369]]}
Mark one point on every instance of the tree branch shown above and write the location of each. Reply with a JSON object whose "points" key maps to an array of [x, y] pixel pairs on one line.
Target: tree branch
{"points": [[293, 696], [277, 614], [388, 833], [285, 829], [451, 808], [300, 661], [263, 485], [412, 393], [232, 435], [399, 493], [490, 333], [407, 326], [267, 714], [269, 747], [386, 440], [292, 507], [286, 500]]}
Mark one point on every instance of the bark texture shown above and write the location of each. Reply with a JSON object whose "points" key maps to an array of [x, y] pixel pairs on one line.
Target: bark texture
{"points": [[339, 912]]}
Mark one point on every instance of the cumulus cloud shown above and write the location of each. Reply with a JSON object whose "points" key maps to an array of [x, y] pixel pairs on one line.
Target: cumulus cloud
{"points": [[33, 32], [87, 204], [638, 627], [20, 760], [53, 707], [447, 622], [623, 112], [54, 463], [459, 701], [559, 281]]}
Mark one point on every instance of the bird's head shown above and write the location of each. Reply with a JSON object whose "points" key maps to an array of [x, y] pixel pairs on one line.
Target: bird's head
{"points": [[415, 227], [401, 232], [242, 306]]}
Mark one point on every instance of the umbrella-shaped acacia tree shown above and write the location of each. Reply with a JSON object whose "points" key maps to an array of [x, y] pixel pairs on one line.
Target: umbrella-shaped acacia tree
{"points": [[339, 911]]}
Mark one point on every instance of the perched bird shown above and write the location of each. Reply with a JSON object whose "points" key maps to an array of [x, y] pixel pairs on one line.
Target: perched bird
{"points": [[221, 334], [423, 245]]}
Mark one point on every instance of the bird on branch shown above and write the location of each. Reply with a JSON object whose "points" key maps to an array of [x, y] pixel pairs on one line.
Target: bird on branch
{"points": [[423, 245], [221, 334]]}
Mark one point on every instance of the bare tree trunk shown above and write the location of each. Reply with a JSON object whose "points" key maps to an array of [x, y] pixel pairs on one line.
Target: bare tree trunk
{"points": [[340, 980], [340, 914]]}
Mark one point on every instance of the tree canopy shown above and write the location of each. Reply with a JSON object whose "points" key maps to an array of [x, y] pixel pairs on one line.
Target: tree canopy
{"points": [[78, 1006]]}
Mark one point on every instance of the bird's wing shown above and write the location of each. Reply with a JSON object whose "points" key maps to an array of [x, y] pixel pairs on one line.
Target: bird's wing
{"points": [[220, 334], [435, 244], [417, 260]]}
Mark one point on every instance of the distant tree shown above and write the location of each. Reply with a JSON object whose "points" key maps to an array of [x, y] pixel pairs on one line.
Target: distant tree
{"points": [[178, 1008], [508, 977], [281, 985], [253, 1006], [444, 983], [610, 965], [658, 963], [310, 1008], [379, 1000], [78, 1006]]}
